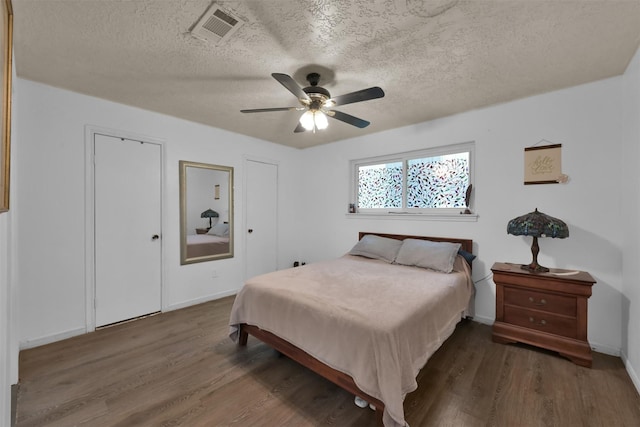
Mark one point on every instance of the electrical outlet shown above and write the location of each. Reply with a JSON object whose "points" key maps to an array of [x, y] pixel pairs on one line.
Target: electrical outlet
{"points": [[214, 274]]}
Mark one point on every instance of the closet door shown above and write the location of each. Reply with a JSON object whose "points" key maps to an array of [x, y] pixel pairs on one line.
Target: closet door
{"points": [[261, 228], [128, 258]]}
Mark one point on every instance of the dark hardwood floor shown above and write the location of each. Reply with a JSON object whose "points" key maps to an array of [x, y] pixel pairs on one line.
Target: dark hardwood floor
{"points": [[181, 369]]}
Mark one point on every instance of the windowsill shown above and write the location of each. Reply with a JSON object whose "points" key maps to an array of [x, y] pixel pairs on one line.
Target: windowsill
{"points": [[416, 217]]}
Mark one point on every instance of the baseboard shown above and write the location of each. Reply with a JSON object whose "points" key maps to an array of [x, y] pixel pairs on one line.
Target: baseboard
{"points": [[484, 320], [605, 349], [201, 300], [632, 373], [37, 342]]}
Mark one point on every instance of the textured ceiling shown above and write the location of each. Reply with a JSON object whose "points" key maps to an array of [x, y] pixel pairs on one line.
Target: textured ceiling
{"points": [[433, 58]]}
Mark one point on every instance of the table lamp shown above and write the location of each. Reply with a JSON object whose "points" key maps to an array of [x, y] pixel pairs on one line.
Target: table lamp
{"points": [[209, 213], [537, 224]]}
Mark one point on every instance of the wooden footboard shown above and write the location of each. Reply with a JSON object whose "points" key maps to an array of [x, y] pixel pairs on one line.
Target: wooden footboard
{"points": [[305, 359]]}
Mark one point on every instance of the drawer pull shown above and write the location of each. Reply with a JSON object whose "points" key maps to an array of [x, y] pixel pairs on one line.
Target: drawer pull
{"points": [[541, 323], [541, 303]]}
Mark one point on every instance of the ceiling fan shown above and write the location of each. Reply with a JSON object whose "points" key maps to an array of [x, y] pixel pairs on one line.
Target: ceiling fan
{"points": [[317, 103]]}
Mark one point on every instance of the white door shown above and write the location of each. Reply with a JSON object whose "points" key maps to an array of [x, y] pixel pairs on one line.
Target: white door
{"points": [[261, 229], [127, 178]]}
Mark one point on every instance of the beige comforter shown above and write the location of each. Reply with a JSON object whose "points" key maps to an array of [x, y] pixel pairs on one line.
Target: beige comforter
{"points": [[375, 321]]}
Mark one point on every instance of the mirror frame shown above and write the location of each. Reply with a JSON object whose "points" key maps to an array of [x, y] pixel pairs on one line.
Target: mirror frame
{"points": [[183, 165]]}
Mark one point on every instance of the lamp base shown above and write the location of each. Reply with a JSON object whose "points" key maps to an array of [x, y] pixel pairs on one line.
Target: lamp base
{"points": [[534, 267]]}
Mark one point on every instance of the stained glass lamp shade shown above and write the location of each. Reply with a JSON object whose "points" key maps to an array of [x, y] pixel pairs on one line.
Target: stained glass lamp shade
{"points": [[537, 224], [209, 213]]}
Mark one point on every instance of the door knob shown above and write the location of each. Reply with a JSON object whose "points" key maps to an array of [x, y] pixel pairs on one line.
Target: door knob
{"points": [[250, 230], [155, 237]]}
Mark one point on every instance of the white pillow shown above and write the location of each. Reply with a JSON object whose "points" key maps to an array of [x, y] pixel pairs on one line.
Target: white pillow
{"points": [[438, 256], [377, 247], [220, 229]]}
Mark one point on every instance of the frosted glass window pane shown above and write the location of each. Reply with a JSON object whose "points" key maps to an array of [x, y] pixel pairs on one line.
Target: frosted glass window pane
{"points": [[438, 182], [380, 186]]}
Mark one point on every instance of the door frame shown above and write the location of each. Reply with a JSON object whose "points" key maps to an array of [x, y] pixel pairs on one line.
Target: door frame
{"points": [[89, 215], [247, 159]]}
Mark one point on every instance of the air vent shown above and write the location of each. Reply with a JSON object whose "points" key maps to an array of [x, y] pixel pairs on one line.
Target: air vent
{"points": [[216, 24]]}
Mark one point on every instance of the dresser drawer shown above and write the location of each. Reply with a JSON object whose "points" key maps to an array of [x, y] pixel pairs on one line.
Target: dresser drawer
{"points": [[541, 321], [540, 301]]}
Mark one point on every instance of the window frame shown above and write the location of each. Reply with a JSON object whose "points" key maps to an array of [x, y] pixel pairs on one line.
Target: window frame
{"points": [[404, 157]]}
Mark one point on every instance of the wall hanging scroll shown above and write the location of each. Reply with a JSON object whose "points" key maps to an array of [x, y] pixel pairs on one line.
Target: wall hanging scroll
{"points": [[543, 165]]}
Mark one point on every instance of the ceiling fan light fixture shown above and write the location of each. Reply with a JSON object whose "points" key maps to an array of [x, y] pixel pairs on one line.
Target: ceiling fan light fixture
{"points": [[329, 103], [314, 119], [307, 120], [321, 120]]}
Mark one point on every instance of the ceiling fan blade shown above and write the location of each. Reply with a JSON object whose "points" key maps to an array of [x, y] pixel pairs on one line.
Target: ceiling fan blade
{"points": [[348, 118], [291, 86], [359, 96], [266, 110], [299, 128]]}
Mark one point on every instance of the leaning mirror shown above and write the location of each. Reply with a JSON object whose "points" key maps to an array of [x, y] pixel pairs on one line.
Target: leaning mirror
{"points": [[206, 212]]}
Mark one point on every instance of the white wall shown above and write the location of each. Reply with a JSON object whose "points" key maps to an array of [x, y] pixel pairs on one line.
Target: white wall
{"points": [[586, 120], [50, 165], [631, 212]]}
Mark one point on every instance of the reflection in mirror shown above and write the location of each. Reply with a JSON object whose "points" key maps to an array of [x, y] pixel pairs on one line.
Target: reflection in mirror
{"points": [[206, 212]]}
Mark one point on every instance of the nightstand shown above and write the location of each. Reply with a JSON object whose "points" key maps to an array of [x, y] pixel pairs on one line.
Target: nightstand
{"points": [[548, 310]]}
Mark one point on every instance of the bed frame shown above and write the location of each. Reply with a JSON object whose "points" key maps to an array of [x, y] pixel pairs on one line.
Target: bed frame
{"points": [[305, 359]]}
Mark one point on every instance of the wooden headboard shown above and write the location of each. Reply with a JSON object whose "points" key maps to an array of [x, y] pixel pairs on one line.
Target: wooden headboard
{"points": [[466, 244]]}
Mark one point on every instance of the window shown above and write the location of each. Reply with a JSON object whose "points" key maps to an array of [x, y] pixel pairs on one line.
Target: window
{"points": [[432, 181]]}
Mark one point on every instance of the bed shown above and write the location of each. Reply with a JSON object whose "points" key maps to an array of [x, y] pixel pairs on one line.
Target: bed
{"points": [[199, 245], [327, 316]]}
